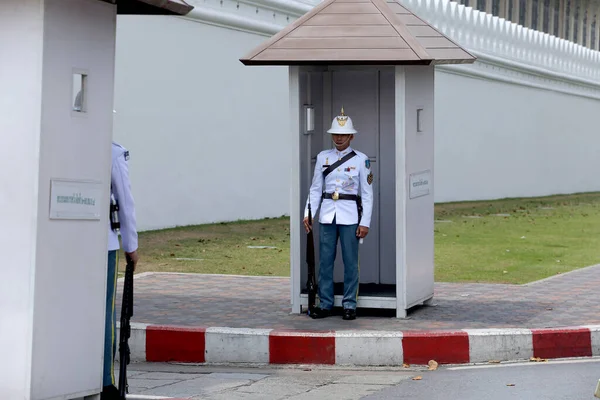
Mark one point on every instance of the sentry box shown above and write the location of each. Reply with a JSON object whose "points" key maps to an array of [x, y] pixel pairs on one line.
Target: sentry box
{"points": [[57, 78], [377, 60]]}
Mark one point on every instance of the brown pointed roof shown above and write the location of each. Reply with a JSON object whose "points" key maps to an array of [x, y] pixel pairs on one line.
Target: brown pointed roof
{"points": [[358, 32]]}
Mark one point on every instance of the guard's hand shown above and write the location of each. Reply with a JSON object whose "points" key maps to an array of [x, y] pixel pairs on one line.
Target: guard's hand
{"points": [[134, 257], [307, 225], [362, 231]]}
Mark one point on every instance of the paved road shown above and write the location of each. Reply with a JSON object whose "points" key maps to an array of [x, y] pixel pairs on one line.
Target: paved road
{"points": [[571, 379], [547, 381], [260, 383]]}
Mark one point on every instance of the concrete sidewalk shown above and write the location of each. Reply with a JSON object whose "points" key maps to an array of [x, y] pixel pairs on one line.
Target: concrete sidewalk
{"points": [[217, 318], [154, 381]]}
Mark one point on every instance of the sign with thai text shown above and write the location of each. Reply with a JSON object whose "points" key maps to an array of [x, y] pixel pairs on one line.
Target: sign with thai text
{"points": [[74, 199], [419, 184]]}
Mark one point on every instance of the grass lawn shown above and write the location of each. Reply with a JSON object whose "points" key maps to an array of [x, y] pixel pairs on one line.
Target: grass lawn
{"points": [[516, 240], [502, 241], [219, 248]]}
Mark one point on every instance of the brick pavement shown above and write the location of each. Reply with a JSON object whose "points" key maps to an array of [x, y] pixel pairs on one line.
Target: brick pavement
{"points": [[263, 302]]}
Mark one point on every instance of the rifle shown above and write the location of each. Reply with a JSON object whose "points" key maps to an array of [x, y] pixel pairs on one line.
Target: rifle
{"points": [[311, 285], [125, 330]]}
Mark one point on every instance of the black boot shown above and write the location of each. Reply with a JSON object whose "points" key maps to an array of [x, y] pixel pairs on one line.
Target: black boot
{"points": [[110, 392], [319, 312], [349, 314]]}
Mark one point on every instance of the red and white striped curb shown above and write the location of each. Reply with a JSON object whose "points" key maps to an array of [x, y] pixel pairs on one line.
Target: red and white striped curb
{"points": [[275, 346]]}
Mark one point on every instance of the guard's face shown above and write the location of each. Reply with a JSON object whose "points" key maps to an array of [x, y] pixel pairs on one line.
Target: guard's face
{"points": [[341, 140]]}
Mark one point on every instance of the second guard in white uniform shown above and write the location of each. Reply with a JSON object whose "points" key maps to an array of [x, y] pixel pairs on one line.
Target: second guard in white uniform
{"points": [[123, 222], [341, 186]]}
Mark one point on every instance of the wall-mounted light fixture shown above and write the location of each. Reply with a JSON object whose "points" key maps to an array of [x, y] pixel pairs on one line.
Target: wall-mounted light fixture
{"points": [[309, 121], [419, 119], [79, 99]]}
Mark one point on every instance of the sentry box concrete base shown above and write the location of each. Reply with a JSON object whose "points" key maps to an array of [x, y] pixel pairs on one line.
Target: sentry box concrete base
{"points": [[376, 59]]}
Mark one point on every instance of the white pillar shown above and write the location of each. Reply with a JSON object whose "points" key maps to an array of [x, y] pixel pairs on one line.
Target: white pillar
{"points": [[52, 294], [20, 111], [415, 129], [401, 188], [295, 201]]}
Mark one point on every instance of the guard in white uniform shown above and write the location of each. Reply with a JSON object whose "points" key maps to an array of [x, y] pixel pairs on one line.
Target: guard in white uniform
{"points": [[341, 186], [124, 208]]}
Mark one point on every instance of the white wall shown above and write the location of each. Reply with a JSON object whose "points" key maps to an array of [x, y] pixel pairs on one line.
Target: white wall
{"points": [[207, 138], [20, 109], [207, 135], [496, 139]]}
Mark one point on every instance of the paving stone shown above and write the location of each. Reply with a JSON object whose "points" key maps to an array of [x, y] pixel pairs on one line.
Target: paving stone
{"points": [[203, 385], [263, 302], [274, 387], [239, 396], [238, 376], [136, 383], [374, 379], [339, 392], [169, 375]]}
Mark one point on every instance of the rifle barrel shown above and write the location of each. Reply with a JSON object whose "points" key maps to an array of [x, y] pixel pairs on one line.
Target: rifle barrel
{"points": [[125, 330]]}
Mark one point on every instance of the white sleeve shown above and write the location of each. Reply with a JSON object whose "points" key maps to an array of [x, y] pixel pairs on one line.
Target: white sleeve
{"points": [[366, 193], [316, 189], [122, 190]]}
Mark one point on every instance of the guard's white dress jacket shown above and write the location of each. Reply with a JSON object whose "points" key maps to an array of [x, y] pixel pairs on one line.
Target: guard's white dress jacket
{"points": [[121, 189], [352, 177]]}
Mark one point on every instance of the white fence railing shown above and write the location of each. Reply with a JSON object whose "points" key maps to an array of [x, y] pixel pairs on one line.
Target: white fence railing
{"points": [[483, 33]]}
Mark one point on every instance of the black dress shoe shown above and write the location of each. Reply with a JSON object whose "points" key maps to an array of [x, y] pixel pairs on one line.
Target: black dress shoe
{"points": [[320, 313], [349, 314], [110, 392]]}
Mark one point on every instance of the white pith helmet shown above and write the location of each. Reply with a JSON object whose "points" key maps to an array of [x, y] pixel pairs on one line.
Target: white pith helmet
{"points": [[342, 125]]}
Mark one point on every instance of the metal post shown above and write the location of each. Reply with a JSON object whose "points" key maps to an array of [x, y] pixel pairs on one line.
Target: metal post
{"points": [[541, 15], [589, 18], [503, 9], [516, 11], [580, 21], [596, 31], [562, 15], [529, 14], [571, 12], [551, 16]]}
